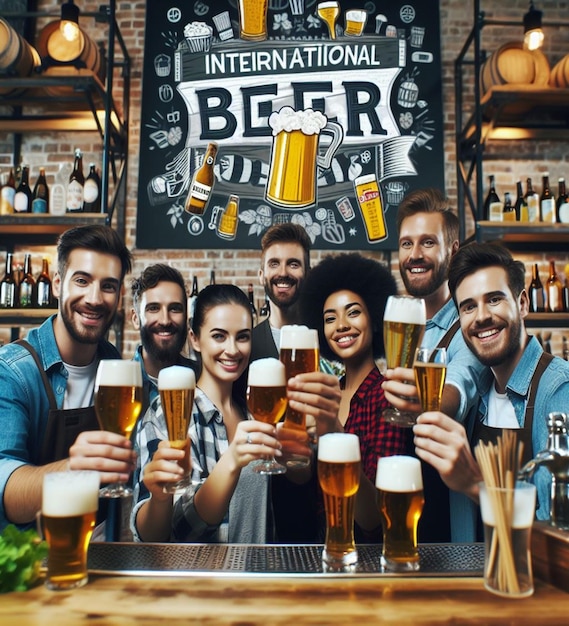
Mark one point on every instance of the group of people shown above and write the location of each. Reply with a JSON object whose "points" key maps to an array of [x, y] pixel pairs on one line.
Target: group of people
{"points": [[498, 377]]}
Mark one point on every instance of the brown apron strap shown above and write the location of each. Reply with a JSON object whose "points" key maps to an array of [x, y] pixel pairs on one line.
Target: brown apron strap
{"points": [[46, 384], [450, 333], [542, 365]]}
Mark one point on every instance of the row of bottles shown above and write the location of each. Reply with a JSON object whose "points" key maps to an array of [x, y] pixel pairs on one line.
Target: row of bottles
{"points": [[20, 289], [528, 206], [553, 298], [71, 194]]}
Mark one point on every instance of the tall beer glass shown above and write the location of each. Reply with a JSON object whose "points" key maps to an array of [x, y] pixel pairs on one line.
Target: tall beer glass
{"points": [[430, 373], [118, 401], [299, 351], [328, 12], [400, 487], [403, 328], [266, 399], [339, 466], [69, 507], [177, 385]]}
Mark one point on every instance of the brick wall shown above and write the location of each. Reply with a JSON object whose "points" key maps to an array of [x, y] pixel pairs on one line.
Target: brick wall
{"points": [[507, 160]]}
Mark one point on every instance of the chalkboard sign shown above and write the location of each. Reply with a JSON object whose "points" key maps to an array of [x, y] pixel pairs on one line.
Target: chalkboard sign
{"points": [[256, 112]]}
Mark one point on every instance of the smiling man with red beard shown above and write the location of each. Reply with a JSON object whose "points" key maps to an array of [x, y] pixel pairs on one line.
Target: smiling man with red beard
{"points": [[47, 418], [523, 385]]}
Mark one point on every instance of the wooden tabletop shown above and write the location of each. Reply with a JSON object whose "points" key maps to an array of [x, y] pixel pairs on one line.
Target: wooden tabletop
{"points": [[260, 599]]}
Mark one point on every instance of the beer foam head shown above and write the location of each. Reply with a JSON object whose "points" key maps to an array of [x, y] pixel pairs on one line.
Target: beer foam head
{"points": [[309, 122], [176, 377], [118, 373], [399, 473], [267, 372], [339, 448], [405, 309], [70, 493], [299, 337]]}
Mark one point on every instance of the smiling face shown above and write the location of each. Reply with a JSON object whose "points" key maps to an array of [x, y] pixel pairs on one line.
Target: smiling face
{"points": [[224, 342], [491, 317], [347, 326], [424, 254], [283, 272]]}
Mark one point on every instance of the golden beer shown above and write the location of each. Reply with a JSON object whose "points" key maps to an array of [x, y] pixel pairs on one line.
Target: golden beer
{"points": [[339, 468], [118, 408], [253, 19], [430, 379], [328, 12], [401, 341], [177, 406], [369, 199], [298, 361], [69, 506], [267, 404], [400, 500], [355, 22]]}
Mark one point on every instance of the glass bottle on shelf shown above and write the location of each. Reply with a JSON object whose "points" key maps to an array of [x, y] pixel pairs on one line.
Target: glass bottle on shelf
{"points": [[75, 187], [227, 228], [23, 195], [44, 296], [212, 277], [554, 291], [532, 201], [8, 289], [202, 183], [40, 196], [192, 298], [265, 309], [58, 190], [7, 194], [27, 291], [547, 202], [521, 207], [536, 292], [251, 296], [508, 210], [92, 191], [492, 204], [562, 204]]}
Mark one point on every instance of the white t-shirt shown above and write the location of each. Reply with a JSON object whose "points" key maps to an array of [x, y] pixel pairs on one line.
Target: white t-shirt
{"points": [[501, 412], [80, 385]]}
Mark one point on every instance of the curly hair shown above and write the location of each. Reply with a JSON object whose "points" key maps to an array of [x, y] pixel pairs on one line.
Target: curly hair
{"points": [[371, 280]]}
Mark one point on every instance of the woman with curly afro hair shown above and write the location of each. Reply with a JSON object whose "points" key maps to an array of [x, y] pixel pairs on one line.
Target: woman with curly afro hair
{"points": [[344, 298]]}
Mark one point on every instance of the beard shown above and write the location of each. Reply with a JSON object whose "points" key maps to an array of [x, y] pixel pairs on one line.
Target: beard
{"points": [[497, 357], [81, 334], [422, 289], [282, 301], [168, 353]]}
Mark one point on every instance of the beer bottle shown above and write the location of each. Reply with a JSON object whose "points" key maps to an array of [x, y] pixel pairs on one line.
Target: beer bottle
{"points": [[251, 296], [23, 195], [536, 292], [58, 191], [508, 211], [192, 298], [202, 183], [27, 285], [265, 309], [227, 228], [92, 191], [8, 285], [43, 287], [76, 184], [7, 194], [492, 204], [547, 202], [554, 291], [212, 277], [521, 206], [562, 204], [40, 197], [532, 200]]}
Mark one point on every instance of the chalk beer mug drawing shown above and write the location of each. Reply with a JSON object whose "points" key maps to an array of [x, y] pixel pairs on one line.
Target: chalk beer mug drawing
{"points": [[294, 156]]}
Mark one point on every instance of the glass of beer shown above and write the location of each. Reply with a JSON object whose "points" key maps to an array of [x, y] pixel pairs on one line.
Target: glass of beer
{"points": [[177, 385], [118, 401], [339, 466], [430, 372], [404, 323], [266, 399], [69, 507], [328, 12], [299, 351], [400, 499]]}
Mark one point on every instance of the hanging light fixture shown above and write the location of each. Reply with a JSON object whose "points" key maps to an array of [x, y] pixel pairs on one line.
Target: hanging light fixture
{"points": [[533, 32], [69, 24]]}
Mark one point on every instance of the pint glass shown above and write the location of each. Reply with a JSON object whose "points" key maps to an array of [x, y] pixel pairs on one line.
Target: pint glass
{"points": [[266, 400], [430, 373], [328, 12], [253, 19], [400, 498], [69, 507], [177, 385], [403, 327], [339, 466]]}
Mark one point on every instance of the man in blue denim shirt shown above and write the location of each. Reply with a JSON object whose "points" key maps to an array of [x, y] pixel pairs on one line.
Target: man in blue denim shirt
{"points": [[487, 285], [47, 420]]}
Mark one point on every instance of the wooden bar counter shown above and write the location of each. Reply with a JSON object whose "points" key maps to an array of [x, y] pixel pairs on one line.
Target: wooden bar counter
{"points": [[172, 584]]}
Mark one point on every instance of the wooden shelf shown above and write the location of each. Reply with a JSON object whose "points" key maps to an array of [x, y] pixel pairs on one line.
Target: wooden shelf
{"points": [[24, 317], [547, 320], [525, 237]]}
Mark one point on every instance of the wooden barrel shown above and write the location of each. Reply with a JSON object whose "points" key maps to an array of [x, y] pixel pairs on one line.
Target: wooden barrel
{"points": [[17, 57], [560, 74]]}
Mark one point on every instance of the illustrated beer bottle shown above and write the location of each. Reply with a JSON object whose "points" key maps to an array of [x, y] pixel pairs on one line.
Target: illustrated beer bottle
{"points": [[554, 291], [202, 183], [75, 188], [27, 285], [40, 197], [521, 206], [8, 285], [508, 211], [7, 195], [23, 195], [547, 202], [492, 204], [536, 292], [562, 203], [227, 228], [43, 287], [92, 191]]}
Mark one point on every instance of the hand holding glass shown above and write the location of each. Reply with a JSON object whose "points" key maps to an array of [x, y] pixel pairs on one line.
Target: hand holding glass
{"points": [[177, 385], [430, 373], [266, 399], [118, 401]]}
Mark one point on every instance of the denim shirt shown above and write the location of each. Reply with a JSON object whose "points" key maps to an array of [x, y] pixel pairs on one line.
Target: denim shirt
{"points": [[24, 405]]}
